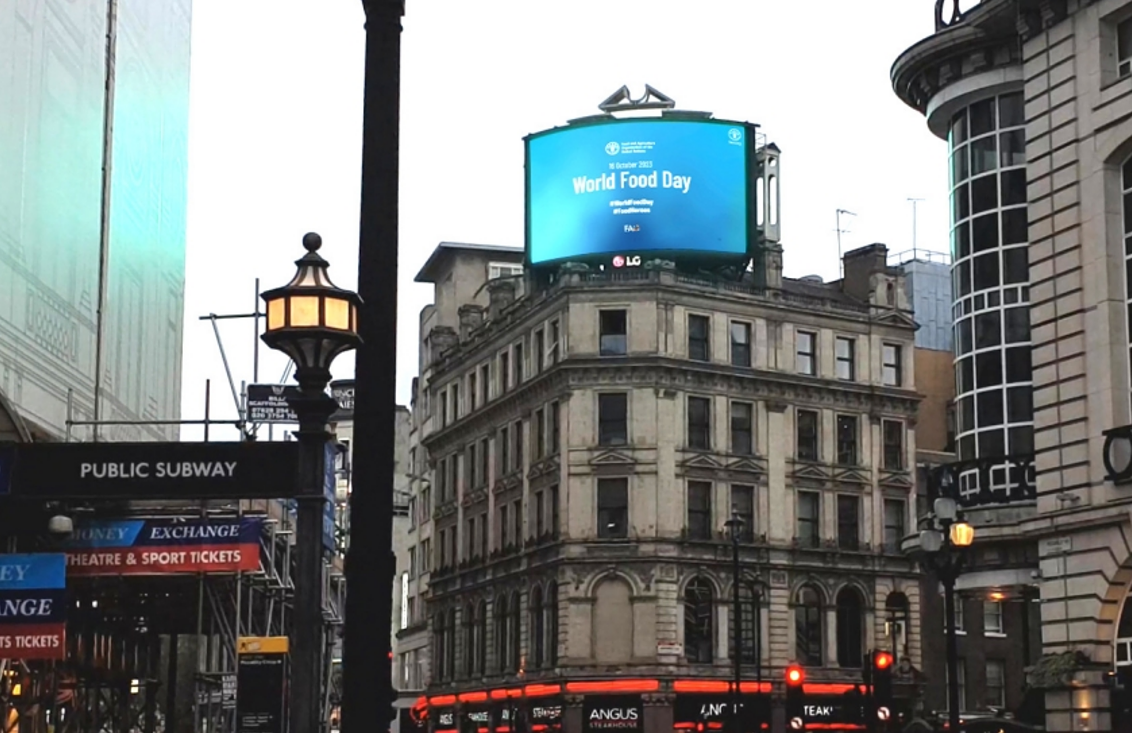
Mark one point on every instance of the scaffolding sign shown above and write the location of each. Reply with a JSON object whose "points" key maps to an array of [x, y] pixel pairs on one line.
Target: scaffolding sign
{"points": [[270, 403]]}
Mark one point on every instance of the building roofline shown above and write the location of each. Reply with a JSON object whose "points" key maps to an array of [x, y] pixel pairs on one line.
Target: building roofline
{"points": [[427, 273]]}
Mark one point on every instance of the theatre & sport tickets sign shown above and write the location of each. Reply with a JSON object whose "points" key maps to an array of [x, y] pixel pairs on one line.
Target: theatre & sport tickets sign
{"points": [[33, 607], [164, 546]]}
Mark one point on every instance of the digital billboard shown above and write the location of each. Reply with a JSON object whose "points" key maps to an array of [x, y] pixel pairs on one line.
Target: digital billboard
{"points": [[640, 187]]}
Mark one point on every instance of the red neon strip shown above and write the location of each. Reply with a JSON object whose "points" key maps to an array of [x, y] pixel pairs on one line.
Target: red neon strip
{"points": [[718, 686], [541, 690], [614, 686], [826, 688], [442, 700], [473, 697], [498, 694]]}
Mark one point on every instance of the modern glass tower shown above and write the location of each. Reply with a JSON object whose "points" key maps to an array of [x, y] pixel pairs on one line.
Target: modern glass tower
{"points": [[93, 149]]}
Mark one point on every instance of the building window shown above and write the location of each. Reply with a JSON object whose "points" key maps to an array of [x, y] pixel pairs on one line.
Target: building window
{"points": [[496, 270], [504, 372], [516, 633], [552, 351], [504, 526], [539, 447], [959, 627], [540, 350], [553, 508], [613, 418], [961, 677], [699, 423], [485, 383], [613, 508], [808, 628], [481, 638], [426, 555], [992, 618], [450, 630], [893, 445], [470, 627], [698, 610], [1124, 48], [517, 518], [847, 440], [892, 372], [517, 437], [850, 629], [846, 358], [743, 505], [894, 513], [455, 390], [443, 407], [471, 467], [517, 351], [699, 341], [484, 452], [806, 362], [613, 331], [552, 623], [809, 518], [742, 441], [538, 631], [807, 449], [540, 514], [848, 522], [699, 510], [555, 430], [502, 616], [740, 344], [438, 644], [504, 444], [473, 394], [996, 684], [470, 538], [750, 623]]}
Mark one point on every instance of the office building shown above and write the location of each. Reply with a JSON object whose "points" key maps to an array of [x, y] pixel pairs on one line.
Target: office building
{"points": [[92, 212], [1034, 101]]}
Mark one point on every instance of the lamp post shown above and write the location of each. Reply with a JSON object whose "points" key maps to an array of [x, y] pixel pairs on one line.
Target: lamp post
{"points": [[735, 529], [312, 321], [943, 547]]}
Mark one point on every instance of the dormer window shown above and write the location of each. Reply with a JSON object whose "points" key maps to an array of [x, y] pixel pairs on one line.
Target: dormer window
{"points": [[496, 270]]}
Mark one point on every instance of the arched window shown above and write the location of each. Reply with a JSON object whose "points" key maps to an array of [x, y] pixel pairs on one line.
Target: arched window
{"points": [[502, 615], [698, 609], [516, 630], [481, 639], [551, 609], [850, 628], [750, 623], [808, 628], [469, 641], [538, 641], [897, 618], [438, 644], [450, 630]]}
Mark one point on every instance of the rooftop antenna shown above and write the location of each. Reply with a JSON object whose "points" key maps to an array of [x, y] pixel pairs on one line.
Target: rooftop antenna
{"points": [[914, 201], [840, 231]]}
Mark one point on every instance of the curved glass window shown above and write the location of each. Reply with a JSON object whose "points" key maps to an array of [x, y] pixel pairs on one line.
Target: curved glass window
{"points": [[990, 275]]}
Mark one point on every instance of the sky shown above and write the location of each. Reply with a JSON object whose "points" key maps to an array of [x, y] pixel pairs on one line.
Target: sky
{"points": [[276, 120]]}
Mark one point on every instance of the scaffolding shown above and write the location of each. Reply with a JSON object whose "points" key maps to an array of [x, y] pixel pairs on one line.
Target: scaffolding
{"points": [[158, 654]]}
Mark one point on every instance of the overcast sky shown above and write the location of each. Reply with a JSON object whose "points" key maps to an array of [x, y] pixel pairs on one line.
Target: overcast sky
{"points": [[275, 134]]}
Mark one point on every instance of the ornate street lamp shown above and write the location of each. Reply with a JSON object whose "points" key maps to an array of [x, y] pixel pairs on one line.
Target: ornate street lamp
{"points": [[944, 554], [312, 321]]}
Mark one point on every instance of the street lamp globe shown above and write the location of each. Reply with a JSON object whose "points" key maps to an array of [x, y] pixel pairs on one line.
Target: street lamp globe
{"points": [[310, 319], [962, 534]]}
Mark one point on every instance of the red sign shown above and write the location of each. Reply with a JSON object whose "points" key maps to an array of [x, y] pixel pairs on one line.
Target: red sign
{"points": [[161, 561], [33, 641]]}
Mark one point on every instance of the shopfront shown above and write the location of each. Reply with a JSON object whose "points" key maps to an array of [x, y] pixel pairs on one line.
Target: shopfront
{"points": [[712, 712], [833, 712], [622, 713], [445, 720]]}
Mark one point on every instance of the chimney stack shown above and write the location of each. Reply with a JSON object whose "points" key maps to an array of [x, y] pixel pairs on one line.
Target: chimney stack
{"points": [[441, 339], [471, 318], [501, 293], [861, 265]]}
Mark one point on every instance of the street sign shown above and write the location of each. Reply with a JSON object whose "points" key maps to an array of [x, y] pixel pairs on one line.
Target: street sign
{"points": [[260, 684], [1056, 546], [270, 403], [330, 493], [342, 390], [77, 471]]}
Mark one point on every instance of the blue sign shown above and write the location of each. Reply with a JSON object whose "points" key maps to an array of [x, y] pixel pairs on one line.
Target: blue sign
{"points": [[638, 187], [32, 572], [330, 491]]}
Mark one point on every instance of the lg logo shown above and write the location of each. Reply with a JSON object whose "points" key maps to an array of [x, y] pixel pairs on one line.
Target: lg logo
{"points": [[619, 261]]}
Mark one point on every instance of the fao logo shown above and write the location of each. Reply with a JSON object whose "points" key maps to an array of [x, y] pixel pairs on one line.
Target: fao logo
{"points": [[618, 261], [613, 148], [734, 134]]}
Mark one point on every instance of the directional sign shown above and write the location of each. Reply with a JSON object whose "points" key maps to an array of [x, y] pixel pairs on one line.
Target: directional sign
{"points": [[246, 470]]}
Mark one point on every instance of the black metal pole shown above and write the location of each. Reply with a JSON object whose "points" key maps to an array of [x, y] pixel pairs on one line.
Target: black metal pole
{"points": [[313, 409], [737, 634], [948, 579], [367, 670]]}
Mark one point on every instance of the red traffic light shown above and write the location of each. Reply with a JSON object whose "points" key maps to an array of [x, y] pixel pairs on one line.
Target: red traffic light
{"points": [[795, 675], [882, 660]]}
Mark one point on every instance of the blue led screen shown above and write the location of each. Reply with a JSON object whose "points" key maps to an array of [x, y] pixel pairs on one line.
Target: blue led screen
{"points": [[638, 187]]}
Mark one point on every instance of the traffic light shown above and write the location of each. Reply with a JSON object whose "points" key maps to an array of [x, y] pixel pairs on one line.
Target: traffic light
{"points": [[795, 697], [881, 668], [391, 695]]}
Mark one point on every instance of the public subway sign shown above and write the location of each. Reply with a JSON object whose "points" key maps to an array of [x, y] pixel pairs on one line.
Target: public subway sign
{"points": [[33, 606], [164, 546], [613, 712], [245, 470]]}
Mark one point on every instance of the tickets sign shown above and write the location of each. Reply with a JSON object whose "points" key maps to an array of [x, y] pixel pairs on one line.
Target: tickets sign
{"points": [[164, 546], [33, 607]]}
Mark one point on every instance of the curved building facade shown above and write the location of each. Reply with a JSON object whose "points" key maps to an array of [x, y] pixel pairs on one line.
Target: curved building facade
{"points": [[1042, 320], [587, 444]]}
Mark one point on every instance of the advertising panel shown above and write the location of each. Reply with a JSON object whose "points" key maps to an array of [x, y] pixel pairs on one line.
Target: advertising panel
{"points": [[642, 187], [33, 606], [445, 718], [163, 546], [612, 712], [713, 710], [832, 711], [260, 676]]}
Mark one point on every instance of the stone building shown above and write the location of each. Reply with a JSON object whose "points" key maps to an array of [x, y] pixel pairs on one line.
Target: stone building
{"points": [[579, 447], [1034, 99]]}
